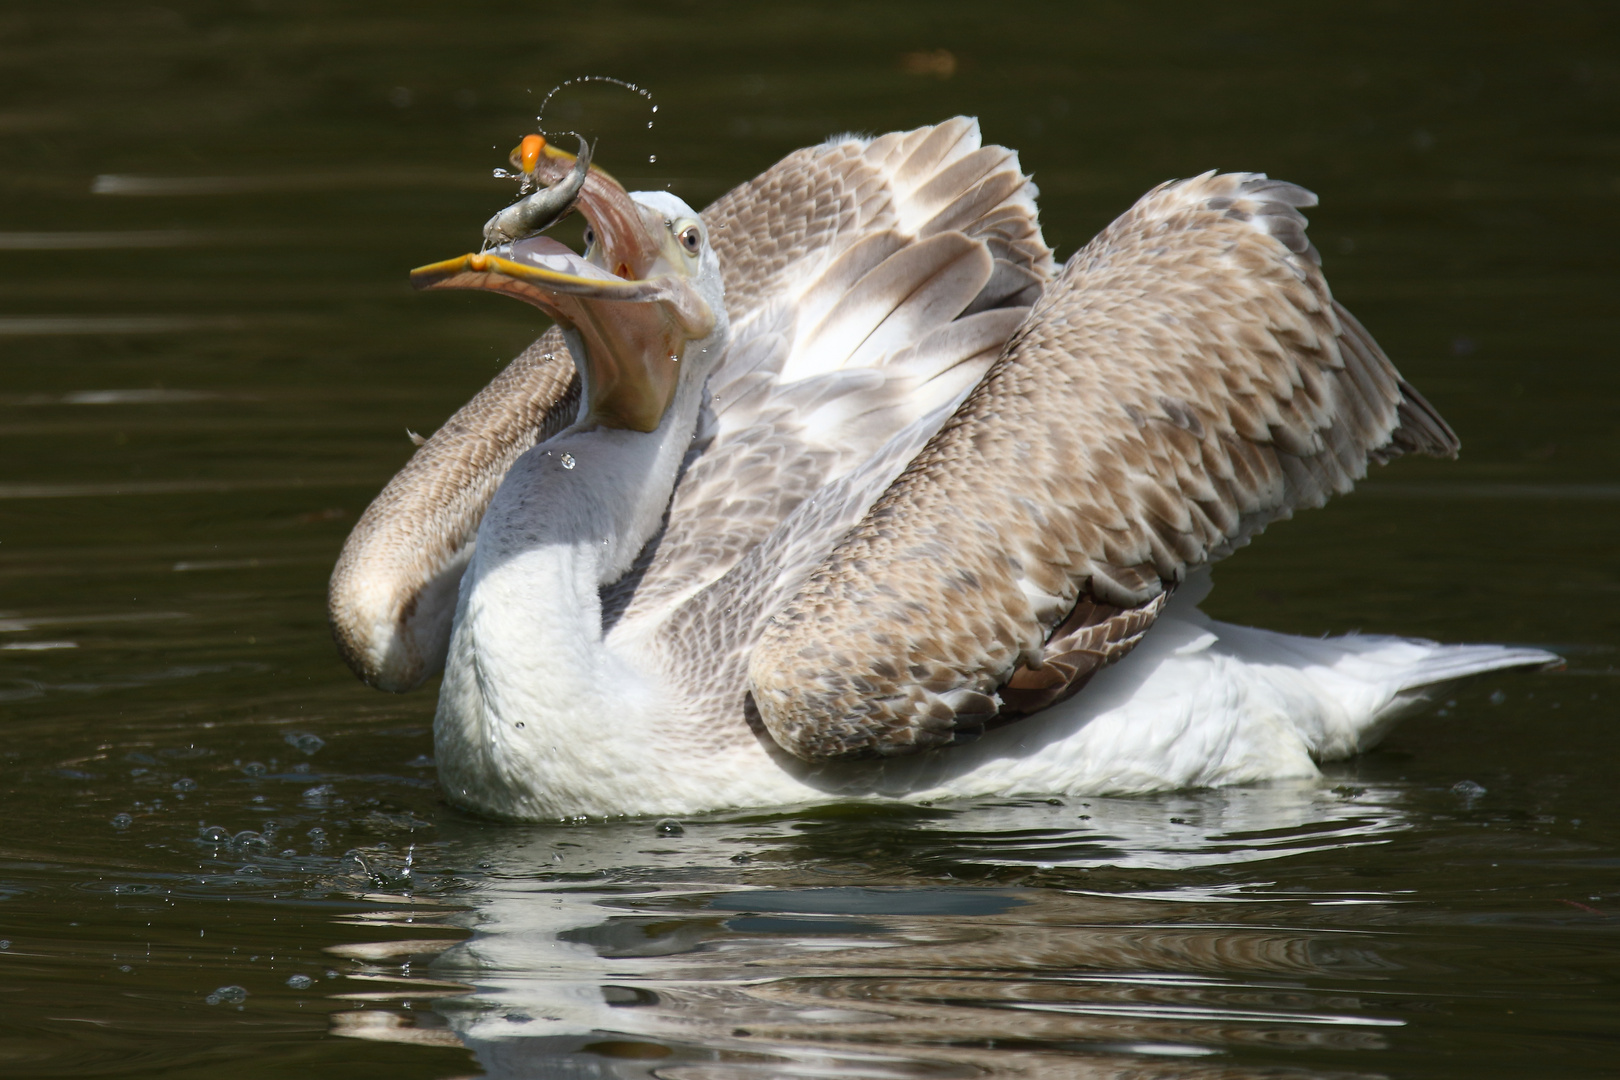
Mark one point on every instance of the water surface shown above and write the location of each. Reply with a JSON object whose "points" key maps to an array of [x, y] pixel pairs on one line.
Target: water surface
{"points": [[219, 851]]}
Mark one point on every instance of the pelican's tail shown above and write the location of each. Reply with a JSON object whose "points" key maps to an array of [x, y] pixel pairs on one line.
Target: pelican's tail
{"points": [[1202, 703], [1345, 693]]}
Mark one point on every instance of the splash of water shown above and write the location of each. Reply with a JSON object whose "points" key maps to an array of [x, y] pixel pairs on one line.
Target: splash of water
{"points": [[540, 119], [580, 79]]}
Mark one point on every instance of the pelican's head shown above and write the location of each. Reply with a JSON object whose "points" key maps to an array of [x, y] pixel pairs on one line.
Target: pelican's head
{"points": [[644, 303]]}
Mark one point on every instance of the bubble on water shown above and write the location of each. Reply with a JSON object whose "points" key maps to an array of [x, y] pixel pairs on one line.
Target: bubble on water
{"points": [[305, 742], [329, 973], [251, 842], [5, 943], [255, 768], [248, 868], [319, 795], [184, 784], [1467, 789], [213, 834], [300, 982], [568, 461], [227, 995], [122, 821], [1497, 697], [125, 967], [669, 827], [317, 836]]}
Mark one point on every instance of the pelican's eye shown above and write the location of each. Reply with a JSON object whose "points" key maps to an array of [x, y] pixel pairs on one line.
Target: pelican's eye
{"points": [[590, 237], [691, 239]]}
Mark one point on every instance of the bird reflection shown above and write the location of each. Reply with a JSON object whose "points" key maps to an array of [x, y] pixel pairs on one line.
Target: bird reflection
{"points": [[1022, 939]]}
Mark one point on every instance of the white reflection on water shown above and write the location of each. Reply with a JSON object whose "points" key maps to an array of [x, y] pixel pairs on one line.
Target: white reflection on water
{"points": [[777, 946]]}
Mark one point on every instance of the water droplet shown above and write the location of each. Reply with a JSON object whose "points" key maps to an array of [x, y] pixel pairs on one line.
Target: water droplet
{"points": [[300, 982], [304, 741], [122, 821], [502, 174], [568, 461], [329, 973], [1497, 697], [228, 995], [655, 108], [674, 359], [669, 827], [518, 725], [651, 158], [184, 784], [649, 123], [125, 967]]}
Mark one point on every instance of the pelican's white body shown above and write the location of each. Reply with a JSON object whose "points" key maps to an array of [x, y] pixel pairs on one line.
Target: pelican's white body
{"points": [[542, 717]]}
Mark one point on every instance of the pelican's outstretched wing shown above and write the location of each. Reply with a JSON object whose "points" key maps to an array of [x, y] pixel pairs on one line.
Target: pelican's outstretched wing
{"points": [[870, 283], [1187, 379]]}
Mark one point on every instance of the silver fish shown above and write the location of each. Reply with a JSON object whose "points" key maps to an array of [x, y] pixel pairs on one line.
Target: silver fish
{"points": [[543, 209]]}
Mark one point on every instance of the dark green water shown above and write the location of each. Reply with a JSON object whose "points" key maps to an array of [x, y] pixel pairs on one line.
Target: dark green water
{"points": [[208, 361]]}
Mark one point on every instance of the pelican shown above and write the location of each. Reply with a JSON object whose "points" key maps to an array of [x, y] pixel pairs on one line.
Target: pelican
{"points": [[843, 488]]}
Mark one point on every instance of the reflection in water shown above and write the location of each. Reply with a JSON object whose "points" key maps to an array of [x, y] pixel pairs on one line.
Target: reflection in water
{"points": [[716, 954]]}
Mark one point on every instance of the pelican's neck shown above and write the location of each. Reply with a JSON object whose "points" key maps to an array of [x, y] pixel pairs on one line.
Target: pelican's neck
{"points": [[529, 682]]}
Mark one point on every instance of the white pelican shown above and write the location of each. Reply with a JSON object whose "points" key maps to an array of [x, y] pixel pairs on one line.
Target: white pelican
{"points": [[854, 489]]}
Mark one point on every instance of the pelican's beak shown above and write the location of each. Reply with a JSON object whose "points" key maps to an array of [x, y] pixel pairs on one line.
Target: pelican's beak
{"points": [[632, 301]]}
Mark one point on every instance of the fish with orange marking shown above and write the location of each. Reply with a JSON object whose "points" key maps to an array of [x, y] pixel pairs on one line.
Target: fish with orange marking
{"points": [[543, 209]]}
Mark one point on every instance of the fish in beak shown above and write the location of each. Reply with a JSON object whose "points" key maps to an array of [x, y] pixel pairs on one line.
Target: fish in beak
{"points": [[631, 302]]}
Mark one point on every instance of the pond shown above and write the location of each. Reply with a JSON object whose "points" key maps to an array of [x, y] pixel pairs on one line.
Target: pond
{"points": [[219, 851]]}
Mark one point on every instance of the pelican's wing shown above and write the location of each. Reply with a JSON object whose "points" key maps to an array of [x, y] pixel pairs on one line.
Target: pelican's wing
{"points": [[392, 596], [1187, 379], [870, 283]]}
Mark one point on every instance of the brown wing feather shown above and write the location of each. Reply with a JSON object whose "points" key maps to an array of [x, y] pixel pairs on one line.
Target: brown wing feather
{"points": [[1187, 379], [1092, 637], [839, 257]]}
